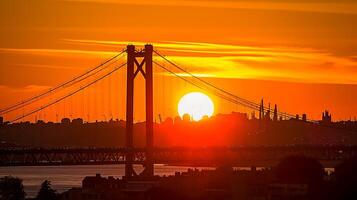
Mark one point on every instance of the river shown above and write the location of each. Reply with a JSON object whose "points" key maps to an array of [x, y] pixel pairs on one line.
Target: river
{"points": [[65, 177]]}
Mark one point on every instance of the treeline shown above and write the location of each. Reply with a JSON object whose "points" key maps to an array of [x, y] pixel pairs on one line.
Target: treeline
{"points": [[295, 177], [11, 188]]}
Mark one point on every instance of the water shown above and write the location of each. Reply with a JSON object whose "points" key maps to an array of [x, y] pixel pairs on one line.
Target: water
{"points": [[65, 177]]}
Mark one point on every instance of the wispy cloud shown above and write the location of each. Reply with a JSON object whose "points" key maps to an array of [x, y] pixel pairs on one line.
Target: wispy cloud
{"points": [[229, 60], [254, 62], [57, 51], [44, 66], [25, 89], [342, 7]]}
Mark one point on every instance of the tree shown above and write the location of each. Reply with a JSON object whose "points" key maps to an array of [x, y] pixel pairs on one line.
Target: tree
{"points": [[300, 169], [11, 188], [345, 186], [46, 192]]}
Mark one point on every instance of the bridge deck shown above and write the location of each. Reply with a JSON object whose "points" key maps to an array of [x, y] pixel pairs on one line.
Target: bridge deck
{"points": [[237, 156]]}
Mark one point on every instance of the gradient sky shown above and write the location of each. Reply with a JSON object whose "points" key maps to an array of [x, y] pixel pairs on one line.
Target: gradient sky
{"points": [[301, 55]]}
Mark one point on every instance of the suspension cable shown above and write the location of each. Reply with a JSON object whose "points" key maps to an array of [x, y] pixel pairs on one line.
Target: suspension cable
{"points": [[204, 81], [205, 89], [68, 95], [68, 85], [62, 85], [246, 103]]}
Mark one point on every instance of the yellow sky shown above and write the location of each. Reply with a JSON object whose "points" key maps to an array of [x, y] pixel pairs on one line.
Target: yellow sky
{"points": [[269, 49]]}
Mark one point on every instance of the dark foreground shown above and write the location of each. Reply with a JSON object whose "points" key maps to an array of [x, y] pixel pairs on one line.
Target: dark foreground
{"points": [[295, 177]]}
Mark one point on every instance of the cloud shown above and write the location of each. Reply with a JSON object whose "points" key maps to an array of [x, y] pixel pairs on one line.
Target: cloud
{"points": [[229, 60], [343, 7], [44, 66], [57, 51], [25, 89], [252, 62]]}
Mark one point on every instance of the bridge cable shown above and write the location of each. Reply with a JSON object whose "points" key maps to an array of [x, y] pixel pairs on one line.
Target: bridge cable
{"points": [[204, 81], [62, 85], [246, 103], [68, 85], [68, 95], [210, 84], [202, 88]]}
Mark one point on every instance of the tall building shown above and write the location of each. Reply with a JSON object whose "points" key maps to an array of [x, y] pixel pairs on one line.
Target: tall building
{"points": [[261, 110], [326, 117], [304, 118], [275, 117], [267, 115], [1, 120], [252, 116]]}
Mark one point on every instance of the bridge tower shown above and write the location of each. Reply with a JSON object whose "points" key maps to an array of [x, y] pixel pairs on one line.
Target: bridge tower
{"points": [[133, 69]]}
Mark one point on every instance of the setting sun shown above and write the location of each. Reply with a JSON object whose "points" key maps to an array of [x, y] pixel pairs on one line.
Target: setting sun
{"points": [[196, 104]]}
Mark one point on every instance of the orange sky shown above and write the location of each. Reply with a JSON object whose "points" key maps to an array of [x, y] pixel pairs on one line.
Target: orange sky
{"points": [[301, 55]]}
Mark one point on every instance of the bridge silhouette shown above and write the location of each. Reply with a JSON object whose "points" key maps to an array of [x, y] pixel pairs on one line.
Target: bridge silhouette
{"points": [[259, 156], [140, 62]]}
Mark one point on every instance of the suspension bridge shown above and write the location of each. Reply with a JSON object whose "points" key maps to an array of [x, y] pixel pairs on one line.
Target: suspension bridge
{"points": [[140, 62]]}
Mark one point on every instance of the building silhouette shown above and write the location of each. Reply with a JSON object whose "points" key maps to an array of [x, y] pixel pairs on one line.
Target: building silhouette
{"points": [[78, 121], [275, 116], [65, 121], [304, 117], [326, 117], [221, 129]]}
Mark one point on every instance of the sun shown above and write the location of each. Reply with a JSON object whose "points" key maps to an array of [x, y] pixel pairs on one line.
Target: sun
{"points": [[196, 104]]}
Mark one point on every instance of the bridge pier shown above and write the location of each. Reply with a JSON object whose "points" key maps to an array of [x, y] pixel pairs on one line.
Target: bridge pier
{"points": [[132, 62]]}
